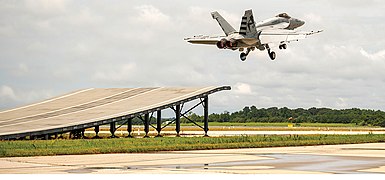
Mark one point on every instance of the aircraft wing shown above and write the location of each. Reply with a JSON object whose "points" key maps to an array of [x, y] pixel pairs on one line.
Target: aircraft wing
{"points": [[282, 36], [201, 39]]}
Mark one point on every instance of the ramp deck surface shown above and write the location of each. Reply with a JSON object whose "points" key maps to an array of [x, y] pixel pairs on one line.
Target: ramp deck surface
{"points": [[95, 106]]}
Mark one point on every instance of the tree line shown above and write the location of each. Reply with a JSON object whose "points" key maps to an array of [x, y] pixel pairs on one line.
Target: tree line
{"points": [[363, 117]]}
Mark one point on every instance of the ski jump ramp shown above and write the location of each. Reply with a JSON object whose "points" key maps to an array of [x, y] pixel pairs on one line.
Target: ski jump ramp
{"points": [[98, 106]]}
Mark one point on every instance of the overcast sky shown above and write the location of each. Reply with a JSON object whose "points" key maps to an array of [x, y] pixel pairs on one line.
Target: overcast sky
{"points": [[51, 47]]}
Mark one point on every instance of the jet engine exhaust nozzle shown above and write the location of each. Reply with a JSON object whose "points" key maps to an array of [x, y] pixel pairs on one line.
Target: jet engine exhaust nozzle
{"points": [[225, 44], [222, 44], [231, 44]]}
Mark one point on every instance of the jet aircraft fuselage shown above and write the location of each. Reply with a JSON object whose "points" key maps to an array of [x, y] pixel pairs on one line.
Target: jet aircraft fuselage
{"points": [[280, 29]]}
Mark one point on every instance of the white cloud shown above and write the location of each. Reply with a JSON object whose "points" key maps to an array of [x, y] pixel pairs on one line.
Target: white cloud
{"points": [[11, 97], [198, 12], [7, 92], [313, 18], [123, 73], [84, 17], [46, 6], [7, 31], [319, 103], [151, 14], [380, 55], [21, 69], [341, 103], [242, 88]]}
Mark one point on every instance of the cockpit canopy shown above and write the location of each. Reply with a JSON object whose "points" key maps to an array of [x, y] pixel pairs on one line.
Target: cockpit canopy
{"points": [[283, 15]]}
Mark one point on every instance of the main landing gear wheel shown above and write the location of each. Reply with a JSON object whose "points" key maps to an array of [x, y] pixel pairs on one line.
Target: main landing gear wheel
{"points": [[272, 55], [243, 56]]}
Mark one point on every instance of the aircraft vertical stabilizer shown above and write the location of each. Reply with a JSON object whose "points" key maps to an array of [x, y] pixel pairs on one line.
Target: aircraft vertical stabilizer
{"points": [[226, 27], [247, 27]]}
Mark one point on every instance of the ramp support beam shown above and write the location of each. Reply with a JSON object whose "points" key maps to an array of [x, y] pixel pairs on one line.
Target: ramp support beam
{"points": [[146, 124], [206, 115], [159, 122]]}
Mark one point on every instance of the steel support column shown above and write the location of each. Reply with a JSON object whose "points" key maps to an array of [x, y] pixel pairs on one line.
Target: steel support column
{"points": [[129, 127], [159, 122], [177, 120], [146, 124], [96, 129], [82, 133], [113, 129], [206, 114]]}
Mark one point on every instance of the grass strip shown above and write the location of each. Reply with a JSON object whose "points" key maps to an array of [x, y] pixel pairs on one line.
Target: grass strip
{"points": [[144, 145], [284, 124]]}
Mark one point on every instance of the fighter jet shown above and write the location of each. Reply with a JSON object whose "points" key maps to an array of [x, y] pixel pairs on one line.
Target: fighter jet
{"points": [[277, 31]]}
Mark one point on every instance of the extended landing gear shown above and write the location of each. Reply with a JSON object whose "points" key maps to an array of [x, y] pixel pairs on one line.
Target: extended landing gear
{"points": [[244, 55], [272, 54], [282, 46]]}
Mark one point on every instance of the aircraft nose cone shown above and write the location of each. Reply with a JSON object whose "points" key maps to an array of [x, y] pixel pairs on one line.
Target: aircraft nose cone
{"points": [[301, 23], [297, 23]]}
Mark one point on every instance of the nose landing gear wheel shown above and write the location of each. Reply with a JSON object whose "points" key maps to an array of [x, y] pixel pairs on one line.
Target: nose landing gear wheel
{"points": [[282, 46]]}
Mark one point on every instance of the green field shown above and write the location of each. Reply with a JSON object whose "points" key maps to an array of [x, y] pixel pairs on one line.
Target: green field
{"points": [[252, 126], [143, 145], [257, 124]]}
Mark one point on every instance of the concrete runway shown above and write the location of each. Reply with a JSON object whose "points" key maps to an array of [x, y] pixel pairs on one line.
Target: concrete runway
{"points": [[329, 159]]}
